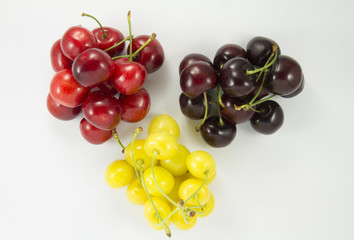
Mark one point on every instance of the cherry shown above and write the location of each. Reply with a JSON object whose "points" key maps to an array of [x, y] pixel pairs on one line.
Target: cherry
{"points": [[128, 77], [66, 91], [151, 56], [92, 67], [76, 40], [259, 49], [61, 112], [191, 58], [102, 110], [230, 113], [216, 133], [268, 118], [193, 108], [58, 60], [298, 90], [92, 134], [285, 76], [225, 53], [135, 106], [234, 79], [197, 78]]}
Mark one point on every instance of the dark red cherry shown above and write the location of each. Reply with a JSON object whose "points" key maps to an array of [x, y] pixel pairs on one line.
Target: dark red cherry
{"points": [[285, 76], [92, 67], [151, 56], [92, 134], [76, 40], [193, 108], [268, 118], [259, 49], [225, 53], [102, 110], [58, 60], [230, 113], [61, 112], [216, 134], [197, 78], [111, 37], [135, 106], [298, 90], [191, 58]]}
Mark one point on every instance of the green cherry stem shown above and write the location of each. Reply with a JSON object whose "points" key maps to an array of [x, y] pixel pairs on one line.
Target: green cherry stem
{"points": [[130, 39], [197, 128], [88, 15], [157, 185], [116, 137], [202, 185], [221, 122], [116, 45], [272, 57], [219, 96]]}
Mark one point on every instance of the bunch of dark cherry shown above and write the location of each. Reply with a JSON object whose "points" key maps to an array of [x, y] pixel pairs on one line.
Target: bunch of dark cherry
{"points": [[241, 84], [98, 75]]}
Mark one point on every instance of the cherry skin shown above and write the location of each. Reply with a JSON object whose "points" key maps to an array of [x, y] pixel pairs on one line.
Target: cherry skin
{"points": [[102, 110], [135, 106], [128, 77], [191, 58], [268, 118], [92, 134], [76, 40], [112, 37], [93, 66], [259, 49], [197, 78], [216, 134], [235, 116], [225, 53], [151, 56], [58, 60], [61, 112], [66, 91]]}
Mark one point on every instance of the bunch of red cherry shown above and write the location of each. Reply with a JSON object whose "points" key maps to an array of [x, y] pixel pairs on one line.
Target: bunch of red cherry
{"points": [[241, 84], [102, 78]]}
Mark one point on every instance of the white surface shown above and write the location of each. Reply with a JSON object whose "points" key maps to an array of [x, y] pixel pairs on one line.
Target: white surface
{"points": [[295, 184]]}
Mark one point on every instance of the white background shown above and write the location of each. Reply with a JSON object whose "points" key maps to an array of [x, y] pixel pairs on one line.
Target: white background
{"points": [[295, 184]]}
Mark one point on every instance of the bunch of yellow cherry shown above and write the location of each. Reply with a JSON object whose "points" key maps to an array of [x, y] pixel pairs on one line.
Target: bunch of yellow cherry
{"points": [[165, 177]]}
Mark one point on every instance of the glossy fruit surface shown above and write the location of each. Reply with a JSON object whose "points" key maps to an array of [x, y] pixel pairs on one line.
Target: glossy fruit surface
{"points": [[163, 209], [191, 58], [66, 91], [93, 134], [102, 110], [119, 174], [179, 221], [138, 153], [232, 115], [234, 80], [227, 52], [259, 49], [57, 58], [269, 118], [164, 122], [112, 37], [177, 164], [189, 187], [61, 112], [93, 66], [161, 144], [285, 76], [151, 56], [163, 177], [197, 78], [298, 90], [216, 134], [76, 40], [193, 108], [135, 106], [199, 162], [136, 194]]}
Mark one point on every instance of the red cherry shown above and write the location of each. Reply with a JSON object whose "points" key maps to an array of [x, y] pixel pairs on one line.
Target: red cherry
{"points": [[151, 56], [92, 134], [61, 112], [135, 106], [111, 37], [102, 110], [76, 40], [128, 77], [66, 91], [58, 59], [92, 67]]}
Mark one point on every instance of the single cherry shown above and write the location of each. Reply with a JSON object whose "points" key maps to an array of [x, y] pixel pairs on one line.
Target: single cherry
{"points": [[61, 112], [76, 40], [216, 133], [58, 60], [230, 113], [66, 91], [92, 134], [135, 106], [102, 110], [259, 49], [191, 58], [225, 53]]}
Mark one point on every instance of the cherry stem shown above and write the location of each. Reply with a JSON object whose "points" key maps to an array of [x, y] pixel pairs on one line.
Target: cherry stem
{"points": [[202, 185], [221, 122], [116, 45], [219, 96], [103, 31], [152, 37], [157, 185], [130, 39], [136, 132], [273, 56], [205, 112], [116, 137]]}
